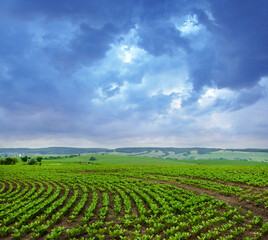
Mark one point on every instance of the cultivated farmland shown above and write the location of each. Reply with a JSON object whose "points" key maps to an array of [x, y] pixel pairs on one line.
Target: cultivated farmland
{"points": [[82, 201]]}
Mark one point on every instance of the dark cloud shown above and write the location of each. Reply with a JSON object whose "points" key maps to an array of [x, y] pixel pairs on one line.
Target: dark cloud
{"points": [[158, 34], [28, 83], [87, 45], [97, 12], [204, 67], [161, 39], [248, 98], [236, 56], [91, 44], [239, 47]]}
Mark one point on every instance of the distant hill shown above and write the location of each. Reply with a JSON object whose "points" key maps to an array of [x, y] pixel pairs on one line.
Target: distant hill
{"points": [[50, 151], [182, 150], [247, 154], [249, 150], [166, 150]]}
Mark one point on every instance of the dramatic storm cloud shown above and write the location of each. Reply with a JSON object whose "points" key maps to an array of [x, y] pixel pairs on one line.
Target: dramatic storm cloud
{"points": [[134, 73]]}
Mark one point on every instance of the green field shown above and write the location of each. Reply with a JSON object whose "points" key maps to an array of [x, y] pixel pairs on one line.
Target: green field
{"points": [[232, 155], [115, 159], [224, 162], [138, 160], [133, 198], [220, 155]]}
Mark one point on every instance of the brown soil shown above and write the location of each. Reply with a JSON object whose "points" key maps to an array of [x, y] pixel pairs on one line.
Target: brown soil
{"points": [[134, 209], [7, 188]]}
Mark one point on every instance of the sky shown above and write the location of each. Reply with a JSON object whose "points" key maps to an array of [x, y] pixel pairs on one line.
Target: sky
{"points": [[102, 73]]}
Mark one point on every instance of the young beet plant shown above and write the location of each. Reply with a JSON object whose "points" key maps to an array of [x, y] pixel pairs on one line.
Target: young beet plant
{"points": [[55, 233]]}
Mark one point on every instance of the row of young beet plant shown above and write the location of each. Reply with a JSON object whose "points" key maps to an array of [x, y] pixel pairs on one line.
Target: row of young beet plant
{"points": [[257, 197], [104, 205]]}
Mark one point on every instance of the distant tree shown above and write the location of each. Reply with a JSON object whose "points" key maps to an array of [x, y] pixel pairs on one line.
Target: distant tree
{"points": [[11, 161], [32, 162], [38, 159], [92, 159], [24, 158], [8, 161]]}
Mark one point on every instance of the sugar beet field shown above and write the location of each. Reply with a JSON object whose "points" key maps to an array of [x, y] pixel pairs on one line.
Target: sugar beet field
{"points": [[133, 202]]}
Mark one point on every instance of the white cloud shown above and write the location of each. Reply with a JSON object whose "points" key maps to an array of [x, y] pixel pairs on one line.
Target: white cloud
{"points": [[176, 104], [210, 96], [214, 121], [189, 26], [129, 53], [168, 81], [264, 83]]}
